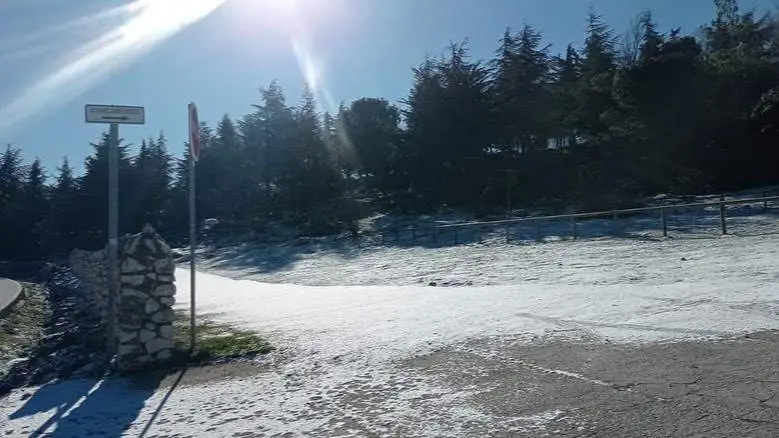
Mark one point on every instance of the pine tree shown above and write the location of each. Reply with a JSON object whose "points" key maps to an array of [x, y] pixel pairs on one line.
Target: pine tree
{"points": [[565, 89], [741, 53], [66, 183], [448, 128], [178, 210], [310, 177], [522, 93], [11, 174], [266, 133], [12, 221], [226, 187], [152, 174], [36, 207], [93, 194], [371, 127], [62, 222]]}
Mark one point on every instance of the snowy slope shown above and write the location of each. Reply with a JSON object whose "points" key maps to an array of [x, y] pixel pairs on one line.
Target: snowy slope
{"points": [[345, 324], [596, 261]]}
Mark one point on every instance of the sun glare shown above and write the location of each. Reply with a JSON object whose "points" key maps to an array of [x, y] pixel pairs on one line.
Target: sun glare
{"points": [[147, 24], [303, 27], [165, 17], [300, 27]]}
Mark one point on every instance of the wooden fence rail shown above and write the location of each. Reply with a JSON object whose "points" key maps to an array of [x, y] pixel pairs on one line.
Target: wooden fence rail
{"points": [[435, 230]]}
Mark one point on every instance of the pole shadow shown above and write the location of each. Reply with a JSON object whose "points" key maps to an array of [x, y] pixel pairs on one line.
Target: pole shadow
{"points": [[88, 407]]}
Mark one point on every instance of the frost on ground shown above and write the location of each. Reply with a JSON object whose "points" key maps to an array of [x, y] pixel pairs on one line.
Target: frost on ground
{"points": [[367, 348], [623, 251]]}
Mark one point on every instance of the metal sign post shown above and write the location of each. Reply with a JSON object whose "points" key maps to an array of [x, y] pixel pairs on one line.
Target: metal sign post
{"points": [[194, 154], [113, 233], [113, 115]]}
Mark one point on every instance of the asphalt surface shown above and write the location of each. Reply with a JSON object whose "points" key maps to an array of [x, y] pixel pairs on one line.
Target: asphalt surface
{"points": [[725, 388], [9, 293]]}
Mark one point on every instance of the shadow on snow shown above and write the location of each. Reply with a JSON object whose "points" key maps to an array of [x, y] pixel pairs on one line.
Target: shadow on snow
{"points": [[691, 223], [88, 407]]}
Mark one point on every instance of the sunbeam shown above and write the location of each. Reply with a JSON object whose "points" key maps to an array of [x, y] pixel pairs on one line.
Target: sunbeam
{"points": [[312, 70], [310, 67], [150, 22], [25, 41]]}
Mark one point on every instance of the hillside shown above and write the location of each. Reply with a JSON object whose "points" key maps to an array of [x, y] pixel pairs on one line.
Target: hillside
{"points": [[598, 336]]}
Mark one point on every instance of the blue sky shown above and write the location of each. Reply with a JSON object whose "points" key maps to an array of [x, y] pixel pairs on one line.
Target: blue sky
{"points": [[57, 55]]}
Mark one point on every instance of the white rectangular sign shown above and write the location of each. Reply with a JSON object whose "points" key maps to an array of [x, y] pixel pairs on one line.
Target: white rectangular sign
{"points": [[128, 115]]}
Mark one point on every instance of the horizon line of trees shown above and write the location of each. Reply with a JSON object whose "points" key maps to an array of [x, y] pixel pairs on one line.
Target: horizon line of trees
{"points": [[620, 117]]}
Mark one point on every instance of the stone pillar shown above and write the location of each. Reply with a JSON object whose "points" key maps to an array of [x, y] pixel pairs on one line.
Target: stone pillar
{"points": [[146, 298], [90, 268]]}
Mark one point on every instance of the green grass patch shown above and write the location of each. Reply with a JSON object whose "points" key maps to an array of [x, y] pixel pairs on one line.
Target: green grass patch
{"points": [[217, 341]]}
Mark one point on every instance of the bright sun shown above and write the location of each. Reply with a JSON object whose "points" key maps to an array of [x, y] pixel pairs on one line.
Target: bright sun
{"points": [[303, 27]]}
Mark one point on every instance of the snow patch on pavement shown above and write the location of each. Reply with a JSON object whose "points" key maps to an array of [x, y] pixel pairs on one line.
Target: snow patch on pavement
{"points": [[339, 370]]}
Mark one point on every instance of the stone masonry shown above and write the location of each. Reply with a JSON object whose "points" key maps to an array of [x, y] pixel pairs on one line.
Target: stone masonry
{"points": [[146, 296]]}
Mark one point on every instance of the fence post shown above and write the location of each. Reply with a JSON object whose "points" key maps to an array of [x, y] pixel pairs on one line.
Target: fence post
{"points": [[573, 227], [722, 220], [508, 235], [664, 220]]}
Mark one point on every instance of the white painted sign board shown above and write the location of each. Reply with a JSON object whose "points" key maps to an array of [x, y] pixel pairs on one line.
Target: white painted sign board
{"points": [[126, 115]]}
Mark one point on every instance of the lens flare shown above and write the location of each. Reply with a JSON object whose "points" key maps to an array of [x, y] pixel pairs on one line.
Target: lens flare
{"points": [[149, 23], [311, 68]]}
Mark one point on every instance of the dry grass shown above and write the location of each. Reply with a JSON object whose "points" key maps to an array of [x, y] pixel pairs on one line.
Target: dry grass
{"points": [[24, 324]]}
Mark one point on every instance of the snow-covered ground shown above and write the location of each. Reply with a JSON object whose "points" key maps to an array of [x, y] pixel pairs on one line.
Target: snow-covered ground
{"points": [[346, 321], [629, 250]]}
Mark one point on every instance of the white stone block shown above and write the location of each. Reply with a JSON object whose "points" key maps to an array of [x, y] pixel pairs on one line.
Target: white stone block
{"points": [[158, 344], [163, 316], [126, 336], [125, 349], [131, 292], [152, 306], [164, 266], [132, 246], [132, 266], [164, 290], [133, 280], [147, 335]]}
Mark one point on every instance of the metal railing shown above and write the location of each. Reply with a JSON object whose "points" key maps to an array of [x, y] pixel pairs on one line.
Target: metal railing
{"points": [[663, 211]]}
